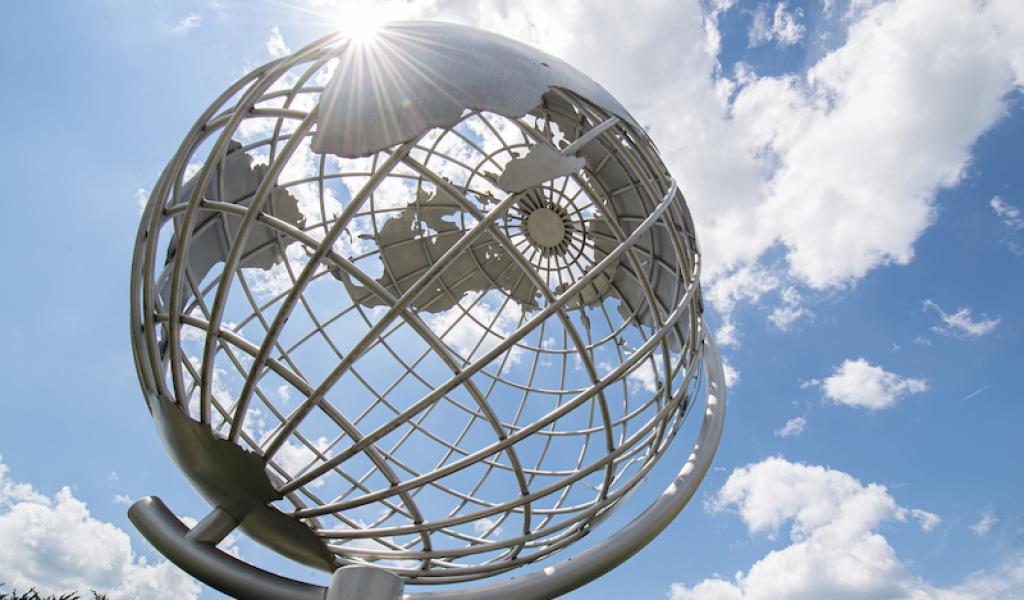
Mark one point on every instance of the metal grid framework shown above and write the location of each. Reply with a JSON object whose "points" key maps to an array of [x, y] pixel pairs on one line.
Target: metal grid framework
{"points": [[433, 390]]}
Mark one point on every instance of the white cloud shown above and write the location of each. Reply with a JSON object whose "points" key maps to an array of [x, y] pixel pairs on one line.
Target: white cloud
{"points": [[985, 523], [276, 45], [644, 375], [784, 316], [928, 521], [861, 384], [748, 283], [190, 170], [726, 335], [835, 549], [842, 209], [188, 23], [760, 31], [792, 428], [295, 457], [1005, 581], [479, 323], [782, 26], [960, 323], [141, 198], [481, 526], [732, 374], [122, 499], [55, 545], [789, 311], [770, 493], [1010, 215], [277, 280]]}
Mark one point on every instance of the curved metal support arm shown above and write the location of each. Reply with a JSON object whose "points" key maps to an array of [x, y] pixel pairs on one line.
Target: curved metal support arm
{"points": [[210, 565]]}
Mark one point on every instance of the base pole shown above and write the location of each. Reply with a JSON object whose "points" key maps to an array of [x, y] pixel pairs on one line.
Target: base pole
{"points": [[363, 582]]}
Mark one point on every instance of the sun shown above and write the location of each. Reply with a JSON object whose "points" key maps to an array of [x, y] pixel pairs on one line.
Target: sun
{"points": [[360, 21]]}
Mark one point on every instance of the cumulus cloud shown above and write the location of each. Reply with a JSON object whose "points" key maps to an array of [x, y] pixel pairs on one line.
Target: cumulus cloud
{"points": [[745, 284], [960, 323], [645, 376], [985, 524], [141, 198], [859, 383], [276, 45], [55, 545], [1004, 581], [782, 25], [727, 335], [1010, 215], [792, 428], [1013, 218], [188, 23], [928, 521], [478, 324], [483, 526], [296, 458], [834, 547], [789, 311], [842, 209], [748, 283]]}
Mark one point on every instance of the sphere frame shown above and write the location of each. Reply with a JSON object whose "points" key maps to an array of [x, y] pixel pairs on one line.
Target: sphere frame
{"points": [[241, 485]]}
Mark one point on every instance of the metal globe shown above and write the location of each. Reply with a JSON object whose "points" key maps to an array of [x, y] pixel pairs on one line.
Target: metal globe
{"points": [[427, 302]]}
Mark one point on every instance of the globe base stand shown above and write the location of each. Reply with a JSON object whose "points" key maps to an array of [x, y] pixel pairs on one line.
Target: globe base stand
{"points": [[363, 582], [199, 556]]}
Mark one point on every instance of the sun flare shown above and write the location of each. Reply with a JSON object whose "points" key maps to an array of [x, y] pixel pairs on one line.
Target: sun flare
{"points": [[360, 22]]}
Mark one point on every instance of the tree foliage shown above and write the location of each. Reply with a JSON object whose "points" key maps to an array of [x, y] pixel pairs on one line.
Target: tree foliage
{"points": [[32, 594]]}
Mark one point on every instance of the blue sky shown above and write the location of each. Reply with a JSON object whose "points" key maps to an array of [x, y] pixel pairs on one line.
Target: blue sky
{"points": [[855, 173]]}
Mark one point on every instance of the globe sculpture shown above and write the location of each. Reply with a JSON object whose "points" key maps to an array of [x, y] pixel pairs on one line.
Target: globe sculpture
{"points": [[419, 309]]}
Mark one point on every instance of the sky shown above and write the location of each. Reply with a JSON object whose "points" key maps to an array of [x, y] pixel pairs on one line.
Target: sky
{"points": [[854, 170]]}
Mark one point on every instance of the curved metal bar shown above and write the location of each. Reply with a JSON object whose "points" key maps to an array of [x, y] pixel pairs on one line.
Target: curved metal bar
{"points": [[205, 562]]}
